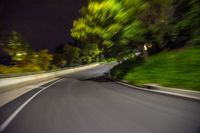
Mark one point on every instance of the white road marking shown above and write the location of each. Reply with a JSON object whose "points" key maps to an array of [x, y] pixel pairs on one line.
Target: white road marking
{"points": [[16, 112], [160, 91]]}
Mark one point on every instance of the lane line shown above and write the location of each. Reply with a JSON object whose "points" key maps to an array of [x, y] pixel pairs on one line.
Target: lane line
{"points": [[16, 112]]}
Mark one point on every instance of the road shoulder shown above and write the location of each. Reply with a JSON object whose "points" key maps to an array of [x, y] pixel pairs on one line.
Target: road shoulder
{"points": [[9, 96]]}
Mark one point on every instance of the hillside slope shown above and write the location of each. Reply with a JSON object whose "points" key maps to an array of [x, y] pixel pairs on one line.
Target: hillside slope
{"points": [[178, 68]]}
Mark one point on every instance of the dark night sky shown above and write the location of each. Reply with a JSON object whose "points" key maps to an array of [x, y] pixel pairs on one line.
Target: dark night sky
{"points": [[43, 23]]}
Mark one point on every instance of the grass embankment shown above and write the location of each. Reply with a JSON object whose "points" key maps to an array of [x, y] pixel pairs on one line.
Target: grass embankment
{"points": [[178, 68]]}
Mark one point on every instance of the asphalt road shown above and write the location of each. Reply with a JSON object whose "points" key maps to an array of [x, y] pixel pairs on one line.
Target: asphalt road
{"points": [[81, 103]]}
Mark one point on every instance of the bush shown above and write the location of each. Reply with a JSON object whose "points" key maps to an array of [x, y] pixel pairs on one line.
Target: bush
{"points": [[10, 69]]}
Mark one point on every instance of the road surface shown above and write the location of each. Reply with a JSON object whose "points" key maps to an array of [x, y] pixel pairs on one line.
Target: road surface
{"points": [[82, 103]]}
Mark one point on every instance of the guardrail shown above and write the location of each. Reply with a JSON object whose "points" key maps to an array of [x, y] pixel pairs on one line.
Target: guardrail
{"points": [[12, 81]]}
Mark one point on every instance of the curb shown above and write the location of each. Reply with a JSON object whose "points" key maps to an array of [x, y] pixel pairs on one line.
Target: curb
{"points": [[157, 86], [156, 90]]}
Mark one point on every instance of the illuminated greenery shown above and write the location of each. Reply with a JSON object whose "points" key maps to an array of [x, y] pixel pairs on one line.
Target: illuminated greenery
{"points": [[178, 68], [108, 23], [23, 57], [90, 53], [44, 59], [118, 26], [17, 48]]}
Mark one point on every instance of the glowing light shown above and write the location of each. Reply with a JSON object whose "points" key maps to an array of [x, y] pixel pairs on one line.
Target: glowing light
{"points": [[145, 47], [19, 54]]}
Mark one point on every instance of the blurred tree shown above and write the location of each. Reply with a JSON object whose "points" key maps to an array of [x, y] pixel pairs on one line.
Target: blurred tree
{"points": [[187, 22], [146, 25], [59, 59], [4, 57], [71, 54], [156, 18], [107, 23], [66, 54], [90, 54], [24, 56], [18, 49], [44, 59]]}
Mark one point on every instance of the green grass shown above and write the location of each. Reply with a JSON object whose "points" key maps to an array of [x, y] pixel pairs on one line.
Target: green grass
{"points": [[178, 68]]}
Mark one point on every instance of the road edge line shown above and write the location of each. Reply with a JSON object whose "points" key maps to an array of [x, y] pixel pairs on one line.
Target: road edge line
{"points": [[159, 91], [17, 111]]}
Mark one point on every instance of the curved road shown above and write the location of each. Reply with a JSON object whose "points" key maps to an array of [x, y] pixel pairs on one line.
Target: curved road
{"points": [[81, 103]]}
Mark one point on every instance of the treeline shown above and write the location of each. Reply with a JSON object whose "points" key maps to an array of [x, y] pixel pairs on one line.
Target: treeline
{"points": [[18, 56], [125, 28]]}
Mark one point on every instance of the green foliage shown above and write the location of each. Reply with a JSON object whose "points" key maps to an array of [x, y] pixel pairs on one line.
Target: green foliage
{"points": [[178, 68], [118, 26], [90, 53], [10, 69], [156, 18], [24, 58], [59, 60], [17, 48], [19, 69], [44, 59], [59, 56], [189, 22], [108, 23], [66, 55], [72, 54]]}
